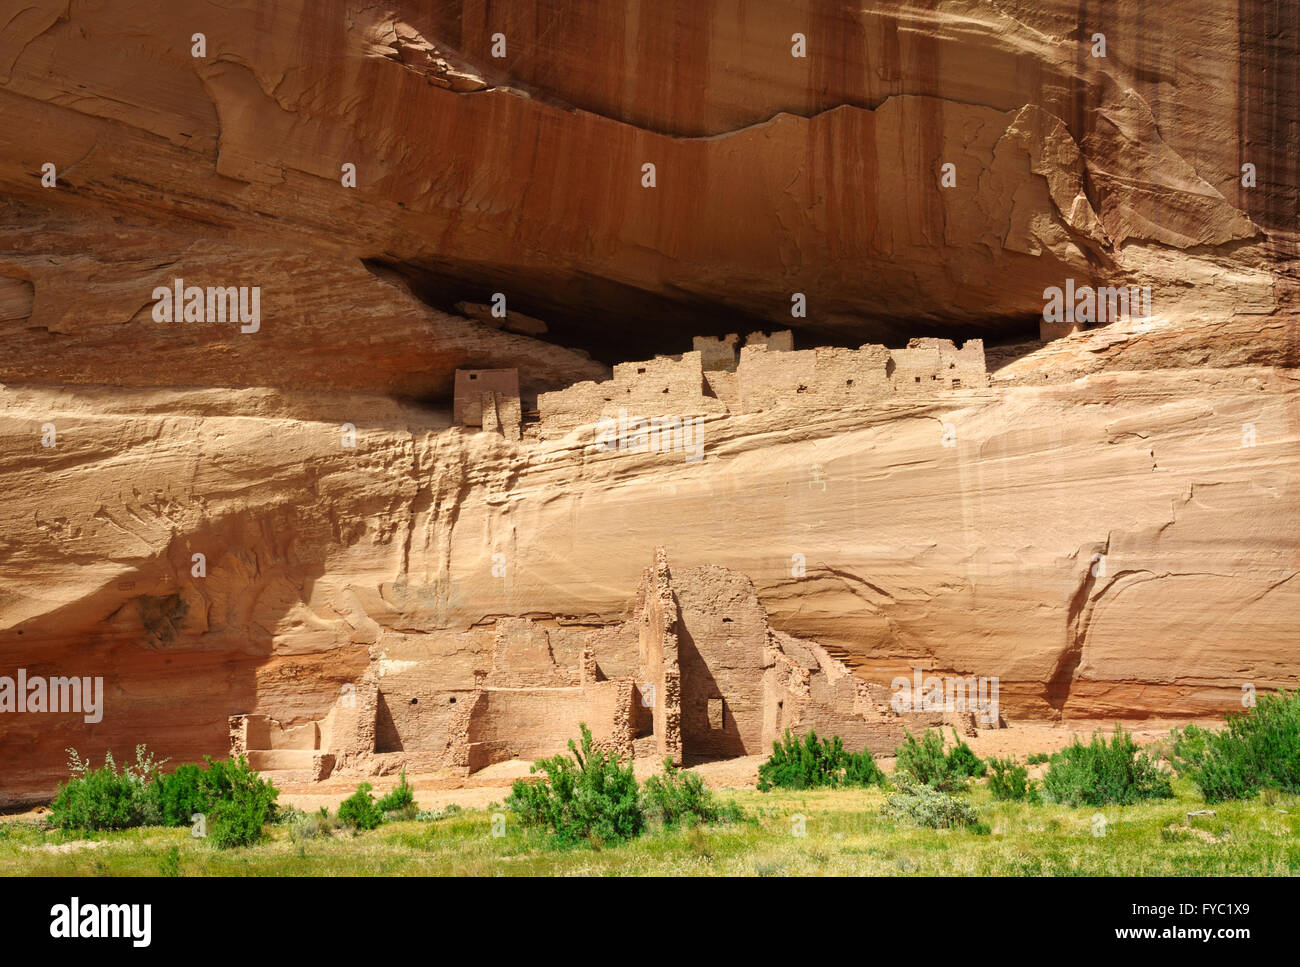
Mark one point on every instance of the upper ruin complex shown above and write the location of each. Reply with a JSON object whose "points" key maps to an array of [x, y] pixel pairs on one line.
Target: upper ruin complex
{"points": [[769, 374]]}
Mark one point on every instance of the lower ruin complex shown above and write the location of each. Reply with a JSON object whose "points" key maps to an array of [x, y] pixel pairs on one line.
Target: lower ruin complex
{"points": [[694, 673]]}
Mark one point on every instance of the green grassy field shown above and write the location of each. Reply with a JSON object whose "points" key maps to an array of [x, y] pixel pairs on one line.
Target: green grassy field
{"points": [[845, 835]]}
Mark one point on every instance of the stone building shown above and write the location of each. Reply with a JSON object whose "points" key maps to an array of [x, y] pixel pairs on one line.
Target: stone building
{"points": [[659, 387], [828, 376], [716, 353], [488, 399], [770, 373], [695, 673]]}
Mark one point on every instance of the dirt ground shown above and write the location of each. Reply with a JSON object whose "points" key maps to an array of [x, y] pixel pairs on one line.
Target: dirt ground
{"points": [[492, 785]]}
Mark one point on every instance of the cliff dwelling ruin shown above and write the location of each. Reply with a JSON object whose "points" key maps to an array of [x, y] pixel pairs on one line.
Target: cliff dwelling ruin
{"points": [[694, 673], [395, 485], [714, 380]]}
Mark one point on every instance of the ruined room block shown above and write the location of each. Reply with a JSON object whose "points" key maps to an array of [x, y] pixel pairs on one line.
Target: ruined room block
{"points": [[716, 352], [781, 341], [473, 385], [322, 764]]}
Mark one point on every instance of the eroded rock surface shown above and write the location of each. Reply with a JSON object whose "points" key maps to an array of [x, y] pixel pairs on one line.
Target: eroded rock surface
{"points": [[1109, 527]]}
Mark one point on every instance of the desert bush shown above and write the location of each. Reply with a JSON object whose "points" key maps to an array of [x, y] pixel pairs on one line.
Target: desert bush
{"points": [[107, 797], [140, 795], [1259, 750], [1008, 780], [675, 798], [180, 794], [811, 763], [248, 804], [925, 805], [1037, 758], [588, 795], [925, 761], [1101, 773], [359, 810], [962, 760], [1187, 749], [235, 799], [400, 799]]}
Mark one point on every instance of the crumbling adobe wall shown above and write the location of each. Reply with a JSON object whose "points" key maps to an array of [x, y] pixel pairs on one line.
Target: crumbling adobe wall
{"points": [[823, 377], [522, 657], [659, 667], [716, 352], [354, 722], [724, 387], [502, 414], [488, 399], [531, 723], [529, 705], [742, 684], [661, 387], [695, 673], [722, 643], [828, 376], [929, 365], [810, 690], [780, 341]]}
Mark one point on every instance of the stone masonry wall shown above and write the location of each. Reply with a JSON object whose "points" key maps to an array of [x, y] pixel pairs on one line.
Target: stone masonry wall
{"points": [[659, 387]]}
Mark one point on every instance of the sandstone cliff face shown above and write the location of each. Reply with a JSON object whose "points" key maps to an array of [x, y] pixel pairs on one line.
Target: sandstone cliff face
{"points": [[774, 174], [523, 175]]}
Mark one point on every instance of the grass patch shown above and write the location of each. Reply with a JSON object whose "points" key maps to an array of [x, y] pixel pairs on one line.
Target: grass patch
{"points": [[844, 830]]}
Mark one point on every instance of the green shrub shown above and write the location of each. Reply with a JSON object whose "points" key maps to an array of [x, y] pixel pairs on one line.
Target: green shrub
{"points": [[1187, 748], [1037, 758], [925, 805], [170, 864], [590, 797], [400, 799], [925, 761], [106, 798], [1259, 750], [1101, 773], [811, 763], [359, 810], [181, 794], [677, 798], [236, 800], [962, 761], [248, 804], [1007, 780]]}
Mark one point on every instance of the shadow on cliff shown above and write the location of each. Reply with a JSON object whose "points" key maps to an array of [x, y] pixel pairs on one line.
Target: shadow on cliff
{"points": [[178, 643]]}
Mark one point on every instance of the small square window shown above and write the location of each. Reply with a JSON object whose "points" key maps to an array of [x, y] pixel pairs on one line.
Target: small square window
{"points": [[473, 375]]}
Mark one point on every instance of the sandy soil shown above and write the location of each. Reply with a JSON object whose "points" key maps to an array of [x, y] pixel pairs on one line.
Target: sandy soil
{"points": [[492, 785]]}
